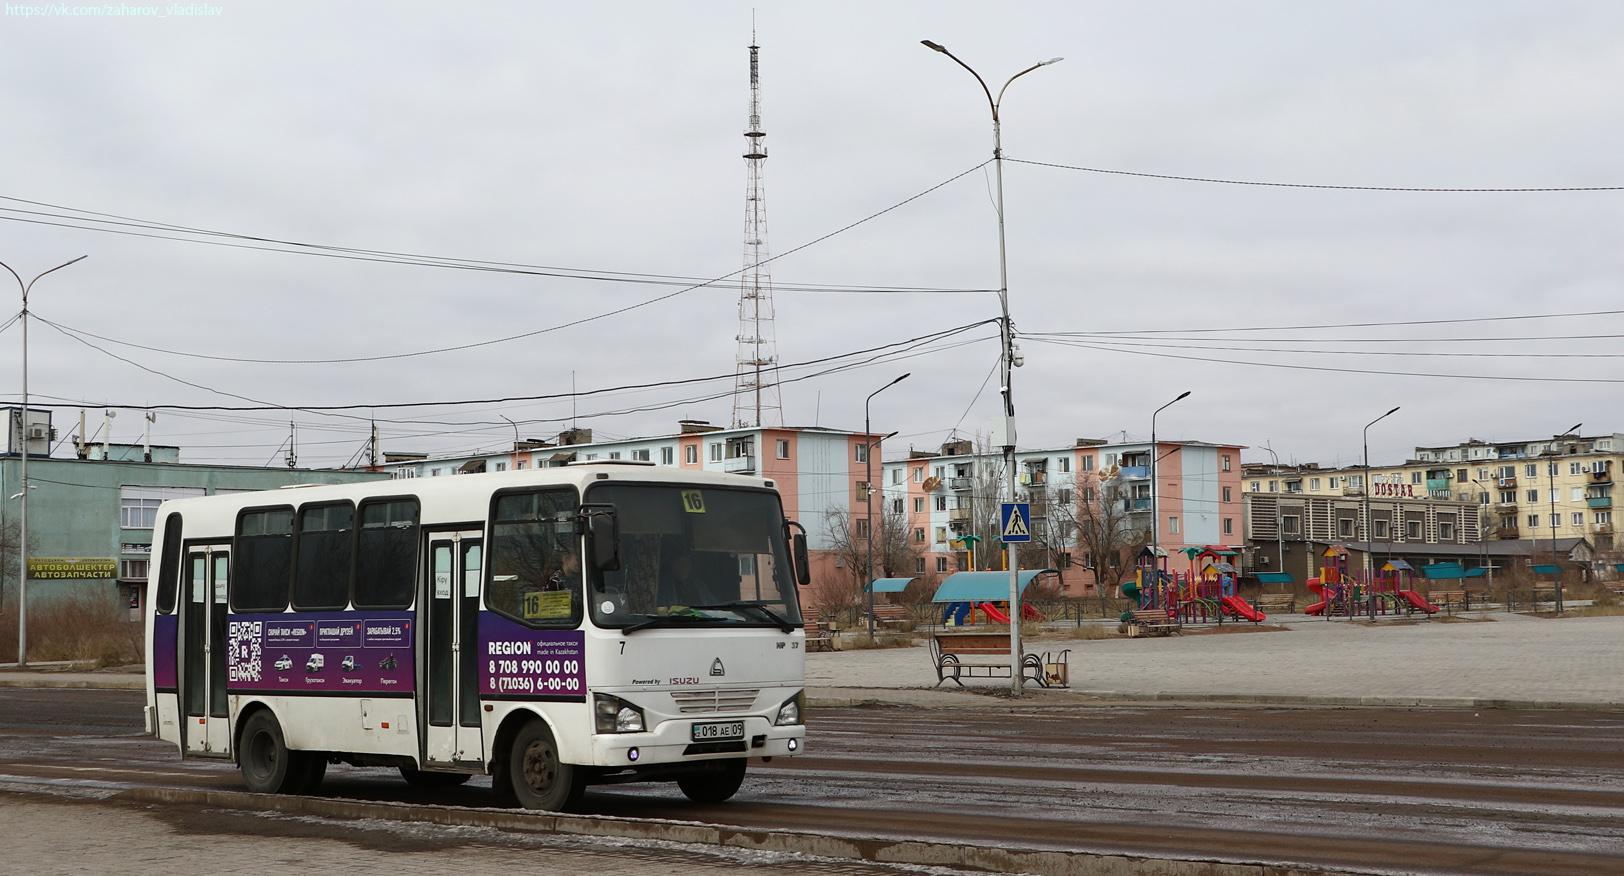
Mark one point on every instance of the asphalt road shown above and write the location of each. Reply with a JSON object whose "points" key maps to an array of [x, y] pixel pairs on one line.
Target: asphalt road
{"points": [[1383, 790]]}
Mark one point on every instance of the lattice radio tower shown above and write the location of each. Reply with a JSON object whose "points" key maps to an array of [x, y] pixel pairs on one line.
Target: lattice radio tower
{"points": [[756, 398]]}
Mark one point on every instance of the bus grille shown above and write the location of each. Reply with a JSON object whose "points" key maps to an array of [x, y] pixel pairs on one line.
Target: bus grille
{"points": [[693, 702]]}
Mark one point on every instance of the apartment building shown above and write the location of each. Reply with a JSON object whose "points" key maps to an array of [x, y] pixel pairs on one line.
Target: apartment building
{"points": [[1087, 498]]}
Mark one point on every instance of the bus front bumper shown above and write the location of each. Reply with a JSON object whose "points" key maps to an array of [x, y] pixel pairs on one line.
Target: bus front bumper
{"points": [[673, 741]]}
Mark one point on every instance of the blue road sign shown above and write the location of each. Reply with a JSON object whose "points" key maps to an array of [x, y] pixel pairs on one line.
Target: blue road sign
{"points": [[1016, 522]]}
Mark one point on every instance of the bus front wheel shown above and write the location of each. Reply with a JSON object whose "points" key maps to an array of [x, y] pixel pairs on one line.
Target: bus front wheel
{"points": [[714, 786], [540, 779]]}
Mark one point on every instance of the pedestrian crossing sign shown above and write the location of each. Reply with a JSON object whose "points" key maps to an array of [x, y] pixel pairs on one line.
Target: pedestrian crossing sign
{"points": [[1016, 522]]}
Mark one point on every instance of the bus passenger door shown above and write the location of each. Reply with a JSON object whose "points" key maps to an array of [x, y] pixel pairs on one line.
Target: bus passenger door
{"points": [[203, 652], [449, 672]]}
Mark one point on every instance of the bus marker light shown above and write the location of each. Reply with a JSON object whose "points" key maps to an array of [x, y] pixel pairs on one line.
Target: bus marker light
{"points": [[631, 754], [794, 744], [488, 707], [385, 725]]}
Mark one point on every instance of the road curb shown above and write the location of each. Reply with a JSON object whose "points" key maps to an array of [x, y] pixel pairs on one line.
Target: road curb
{"points": [[134, 683], [1382, 701], [1039, 862]]}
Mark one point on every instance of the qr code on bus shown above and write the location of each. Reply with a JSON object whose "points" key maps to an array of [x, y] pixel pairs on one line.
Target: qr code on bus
{"points": [[243, 649]]}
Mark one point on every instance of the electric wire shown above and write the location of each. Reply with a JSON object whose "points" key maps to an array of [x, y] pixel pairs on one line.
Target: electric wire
{"points": [[1288, 185]]}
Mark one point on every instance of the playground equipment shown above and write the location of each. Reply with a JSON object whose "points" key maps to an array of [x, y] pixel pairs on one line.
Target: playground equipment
{"points": [[1344, 594], [1205, 595], [966, 596]]}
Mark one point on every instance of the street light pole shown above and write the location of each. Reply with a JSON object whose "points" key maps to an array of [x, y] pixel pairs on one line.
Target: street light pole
{"points": [[868, 495], [1155, 491], [22, 524], [1556, 570], [1370, 594], [1279, 523], [1007, 348]]}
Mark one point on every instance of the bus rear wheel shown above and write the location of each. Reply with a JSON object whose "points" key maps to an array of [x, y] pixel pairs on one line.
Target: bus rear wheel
{"points": [[714, 786], [539, 778], [265, 760]]}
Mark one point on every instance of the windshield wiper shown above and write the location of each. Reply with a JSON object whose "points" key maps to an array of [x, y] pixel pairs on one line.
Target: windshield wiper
{"points": [[661, 620], [773, 616]]}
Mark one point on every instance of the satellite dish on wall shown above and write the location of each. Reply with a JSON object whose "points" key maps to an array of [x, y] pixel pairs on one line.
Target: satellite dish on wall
{"points": [[932, 484]]}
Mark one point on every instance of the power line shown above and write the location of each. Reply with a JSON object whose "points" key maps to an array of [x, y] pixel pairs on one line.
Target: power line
{"points": [[1287, 185], [1267, 328], [1290, 367], [1160, 344]]}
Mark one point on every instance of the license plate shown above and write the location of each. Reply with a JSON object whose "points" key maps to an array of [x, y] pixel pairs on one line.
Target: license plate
{"points": [[718, 731]]}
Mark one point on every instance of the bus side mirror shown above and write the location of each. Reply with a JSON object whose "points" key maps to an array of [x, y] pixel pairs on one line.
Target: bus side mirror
{"points": [[803, 563], [603, 531]]}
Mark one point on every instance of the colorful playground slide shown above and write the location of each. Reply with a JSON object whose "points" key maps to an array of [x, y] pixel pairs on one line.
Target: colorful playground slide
{"points": [[1031, 614], [993, 613], [1242, 608], [1418, 601], [1315, 585]]}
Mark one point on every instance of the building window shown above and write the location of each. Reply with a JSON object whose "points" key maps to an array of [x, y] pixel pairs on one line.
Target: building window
{"points": [[613, 454], [941, 564], [1415, 477], [896, 506], [1088, 495], [1291, 524], [1578, 518], [136, 569], [1274, 486], [1087, 463], [1063, 497], [783, 448], [919, 505], [941, 534], [668, 455], [1380, 526], [1573, 468], [1604, 517], [860, 452], [1344, 528], [941, 503], [859, 528], [1172, 526], [138, 513], [919, 565], [1063, 464], [1226, 462], [1530, 471], [1257, 487], [716, 451], [640, 455], [1533, 495], [690, 454], [896, 475], [1413, 530], [1330, 483], [1446, 531], [1533, 521], [918, 474], [1460, 475], [501, 466], [1313, 484], [523, 464], [919, 534], [1229, 526]]}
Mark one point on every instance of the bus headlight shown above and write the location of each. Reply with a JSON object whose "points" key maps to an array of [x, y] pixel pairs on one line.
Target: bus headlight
{"points": [[615, 715], [790, 712]]}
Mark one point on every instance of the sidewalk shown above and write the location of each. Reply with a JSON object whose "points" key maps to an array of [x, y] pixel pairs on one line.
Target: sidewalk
{"points": [[63, 675], [1511, 660]]}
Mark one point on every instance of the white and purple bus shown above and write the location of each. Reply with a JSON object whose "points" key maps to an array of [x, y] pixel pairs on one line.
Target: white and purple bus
{"points": [[554, 628]]}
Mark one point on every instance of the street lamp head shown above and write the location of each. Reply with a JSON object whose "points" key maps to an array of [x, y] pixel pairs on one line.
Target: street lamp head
{"points": [[1574, 430], [935, 47], [900, 379], [1186, 393], [1051, 61]]}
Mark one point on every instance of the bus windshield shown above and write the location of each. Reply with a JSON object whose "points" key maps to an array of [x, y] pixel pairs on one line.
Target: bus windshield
{"points": [[693, 556]]}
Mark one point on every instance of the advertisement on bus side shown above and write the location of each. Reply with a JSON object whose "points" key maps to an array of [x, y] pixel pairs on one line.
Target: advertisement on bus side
{"points": [[516, 662], [320, 652]]}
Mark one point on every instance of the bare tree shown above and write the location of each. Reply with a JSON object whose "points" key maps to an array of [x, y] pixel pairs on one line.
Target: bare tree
{"points": [[894, 553], [1099, 521]]}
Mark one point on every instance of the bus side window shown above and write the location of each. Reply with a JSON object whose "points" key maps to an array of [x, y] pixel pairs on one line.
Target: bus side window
{"points": [[264, 560], [386, 554], [534, 559], [169, 565]]}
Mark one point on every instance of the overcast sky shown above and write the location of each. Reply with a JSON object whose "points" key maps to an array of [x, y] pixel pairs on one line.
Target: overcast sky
{"points": [[607, 137]]}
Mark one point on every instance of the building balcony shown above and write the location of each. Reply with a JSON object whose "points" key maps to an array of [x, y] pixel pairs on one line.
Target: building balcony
{"points": [[1507, 483], [1136, 472], [745, 465], [956, 514], [1599, 501], [1505, 507], [1605, 476], [961, 484], [1602, 528], [1353, 491], [1507, 533], [1033, 478], [1136, 504]]}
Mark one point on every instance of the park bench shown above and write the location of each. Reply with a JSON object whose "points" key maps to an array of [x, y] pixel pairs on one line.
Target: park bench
{"points": [[1450, 599], [1154, 621], [891, 616], [986, 655], [820, 637], [1270, 603]]}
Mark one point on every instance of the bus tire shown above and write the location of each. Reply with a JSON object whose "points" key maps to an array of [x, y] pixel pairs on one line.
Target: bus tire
{"points": [[539, 778], [306, 772], [423, 779], [715, 786], [265, 760]]}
